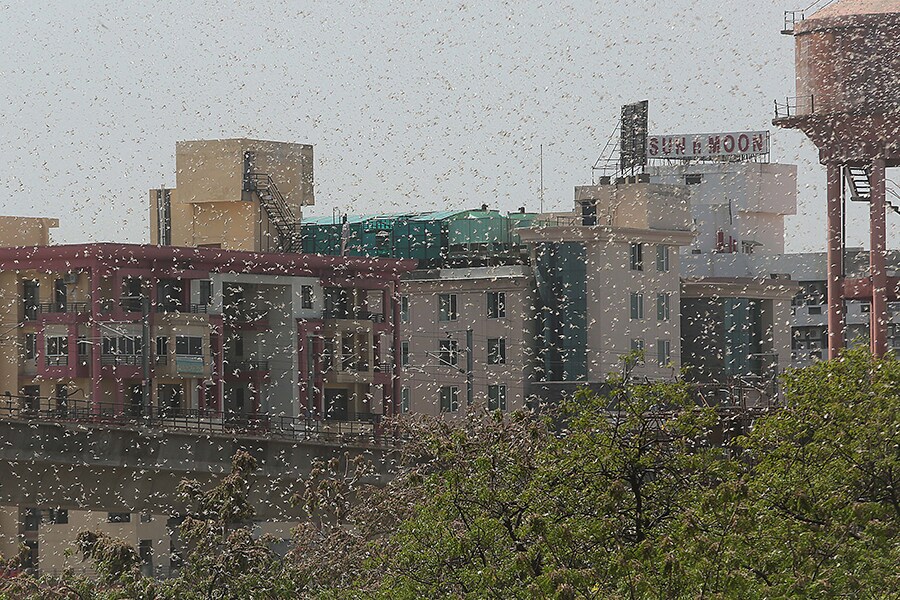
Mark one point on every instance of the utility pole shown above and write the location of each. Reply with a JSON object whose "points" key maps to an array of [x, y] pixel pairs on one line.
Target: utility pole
{"points": [[470, 376]]}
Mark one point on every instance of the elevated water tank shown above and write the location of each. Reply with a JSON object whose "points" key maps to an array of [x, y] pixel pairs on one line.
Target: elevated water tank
{"points": [[848, 58]]}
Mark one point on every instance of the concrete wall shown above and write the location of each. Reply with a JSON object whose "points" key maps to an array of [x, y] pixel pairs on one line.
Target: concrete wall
{"points": [[209, 206], [26, 231], [747, 201], [610, 326]]}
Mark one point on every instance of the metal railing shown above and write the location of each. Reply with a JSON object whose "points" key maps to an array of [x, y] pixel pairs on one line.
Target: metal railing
{"points": [[56, 360], [795, 106], [559, 221], [792, 17], [121, 359], [63, 308], [354, 315], [245, 366], [360, 427]]}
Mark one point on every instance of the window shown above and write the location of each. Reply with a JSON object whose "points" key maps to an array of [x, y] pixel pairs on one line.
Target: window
{"points": [[205, 286], [83, 348], [447, 307], [662, 258], [132, 296], [30, 346], [693, 179], [496, 348], [57, 345], [306, 297], [404, 354], [663, 352], [637, 305], [30, 299], [448, 352], [662, 307], [188, 345], [589, 213], [449, 399], [31, 397], [404, 309], [497, 397], [126, 346], [31, 519], [404, 399], [60, 295], [162, 346], [118, 517], [496, 305], [58, 516], [637, 256], [637, 346], [146, 517]]}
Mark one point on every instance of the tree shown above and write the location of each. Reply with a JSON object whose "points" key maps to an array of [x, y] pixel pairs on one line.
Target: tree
{"points": [[825, 485]]}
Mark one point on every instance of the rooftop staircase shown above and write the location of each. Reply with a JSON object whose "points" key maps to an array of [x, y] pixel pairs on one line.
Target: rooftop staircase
{"points": [[279, 212]]}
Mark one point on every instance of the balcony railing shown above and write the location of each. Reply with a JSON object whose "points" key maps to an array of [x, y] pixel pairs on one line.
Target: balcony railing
{"points": [[121, 359], [57, 360], [60, 308], [359, 427], [246, 366], [178, 307], [794, 107], [354, 315]]}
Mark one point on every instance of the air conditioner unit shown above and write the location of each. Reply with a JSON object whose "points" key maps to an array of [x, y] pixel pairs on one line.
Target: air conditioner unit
{"points": [[70, 278]]}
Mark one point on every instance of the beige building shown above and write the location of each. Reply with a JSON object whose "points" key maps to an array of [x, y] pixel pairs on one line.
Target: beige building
{"points": [[495, 308], [237, 194], [609, 281]]}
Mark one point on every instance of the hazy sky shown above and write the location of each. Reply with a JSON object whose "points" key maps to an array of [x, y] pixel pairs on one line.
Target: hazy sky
{"points": [[409, 104]]}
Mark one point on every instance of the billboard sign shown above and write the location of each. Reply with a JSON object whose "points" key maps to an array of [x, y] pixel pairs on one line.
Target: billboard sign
{"points": [[633, 137], [708, 145]]}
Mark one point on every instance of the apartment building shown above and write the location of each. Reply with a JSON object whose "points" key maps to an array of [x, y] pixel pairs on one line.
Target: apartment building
{"points": [[608, 279], [218, 322], [468, 336]]}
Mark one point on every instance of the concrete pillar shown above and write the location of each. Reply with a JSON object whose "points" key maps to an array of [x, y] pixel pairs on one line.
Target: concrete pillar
{"points": [[878, 317], [834, 255], [9, 339], [396, 354], [96, 392]]}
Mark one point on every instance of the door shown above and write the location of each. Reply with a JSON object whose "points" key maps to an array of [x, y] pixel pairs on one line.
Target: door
{"points": [[336, 405]]}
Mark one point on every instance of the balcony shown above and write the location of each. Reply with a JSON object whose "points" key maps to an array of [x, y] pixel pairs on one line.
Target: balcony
{"points": [[63, 308], [177, 307], [57, 360], [794, 107], [246, 369], [121, 360], [357, 314]]}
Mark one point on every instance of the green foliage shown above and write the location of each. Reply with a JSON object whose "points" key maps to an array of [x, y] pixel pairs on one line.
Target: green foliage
{"points": [[627, 494]]}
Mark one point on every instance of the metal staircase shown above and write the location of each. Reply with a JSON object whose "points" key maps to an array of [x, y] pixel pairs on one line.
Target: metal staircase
{"points": [[279, 212], [861, 188]]}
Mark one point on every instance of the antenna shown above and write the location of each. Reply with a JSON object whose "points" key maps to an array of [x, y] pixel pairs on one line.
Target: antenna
{"points": [[542, 179]]}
